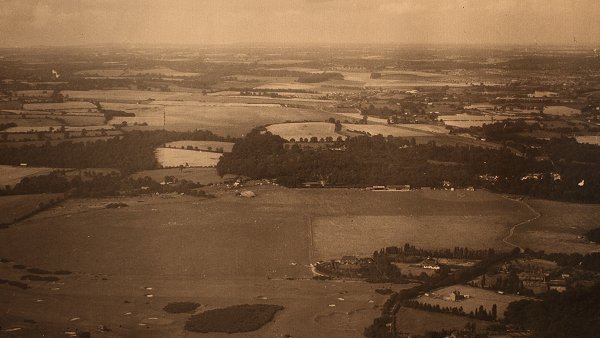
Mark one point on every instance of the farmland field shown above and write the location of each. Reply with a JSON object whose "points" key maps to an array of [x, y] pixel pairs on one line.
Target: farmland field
{"points": [[477, 297], [217, 252], [198, 175], [590, 139], [223, 118], [171, 157], [11, 175], [561, 110], [15, 207], [60, 106], [296, 131], [560, 228], [202, 145], [429, 219], [385, 130]]}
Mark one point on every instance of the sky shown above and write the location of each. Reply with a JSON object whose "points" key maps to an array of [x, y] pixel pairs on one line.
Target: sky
{"points": [[80, 22]]}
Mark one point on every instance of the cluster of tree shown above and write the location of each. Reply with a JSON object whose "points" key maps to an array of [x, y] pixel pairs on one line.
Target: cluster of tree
{"points": [[573, 313], [99, 185], [110, 114], [589, 261], [509, 284], [320, 77], [383, 161], [457, 252], [4, 126], [130, 153], [479, 313], [381, 325], [593, 235]]}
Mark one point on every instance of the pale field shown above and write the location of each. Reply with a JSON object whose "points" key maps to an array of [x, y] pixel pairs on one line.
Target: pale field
{"points": [[561, 110], [171, 157], [14, 207], [304, 130], [11, 175], [385, 130], [561, 228], [202, 145], [285, 85], [420, 322], [468, 120], [59, 106], [404, 80], [202, 176], [590, 139], [478, 297], [426, 128]]}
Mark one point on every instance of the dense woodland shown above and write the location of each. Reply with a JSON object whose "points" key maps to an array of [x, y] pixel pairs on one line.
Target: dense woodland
{"points": [[367, 161], [574, 313]]}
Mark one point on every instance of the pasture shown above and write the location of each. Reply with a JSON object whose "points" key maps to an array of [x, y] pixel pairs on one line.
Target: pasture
{"points": [[561, 110], [15, 207], [305, 130], [589, 139], [560, 228], [202, 176], [476, 298], [68, 105], [11, 175], [171, 157]]}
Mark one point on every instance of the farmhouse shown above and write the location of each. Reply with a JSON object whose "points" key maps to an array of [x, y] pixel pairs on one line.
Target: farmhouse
{"points": [[430, 264], [455, 296]]}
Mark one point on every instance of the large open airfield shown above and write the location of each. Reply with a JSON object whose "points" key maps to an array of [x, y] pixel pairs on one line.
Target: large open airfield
{"points": [[74, 263]]}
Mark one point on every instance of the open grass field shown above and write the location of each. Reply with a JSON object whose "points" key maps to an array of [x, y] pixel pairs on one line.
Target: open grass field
{"points": [[561, 110], [131, 262], [385, 130], [477, 297], [560, 228], [59, 106], [428, 219], [203, 176], [171, 157], [11, 175], [15, 207], [418, 322], [296, 131], [202, 145]]}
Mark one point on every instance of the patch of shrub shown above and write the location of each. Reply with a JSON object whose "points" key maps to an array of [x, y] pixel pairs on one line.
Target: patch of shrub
{"points": [[40, 278], [17, 284], [593, 235], [181, 307], [116, 205], [39, 271], [233, 319]]}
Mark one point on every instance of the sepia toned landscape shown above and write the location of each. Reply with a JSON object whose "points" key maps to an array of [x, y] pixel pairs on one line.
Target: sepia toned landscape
{"points": [[313, 168]]}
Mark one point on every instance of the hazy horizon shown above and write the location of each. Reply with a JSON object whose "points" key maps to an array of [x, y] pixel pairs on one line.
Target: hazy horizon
{"points": [[296, 22]]}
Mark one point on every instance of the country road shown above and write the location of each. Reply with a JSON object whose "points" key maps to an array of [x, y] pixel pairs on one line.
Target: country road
{"points": [[511, 232]]}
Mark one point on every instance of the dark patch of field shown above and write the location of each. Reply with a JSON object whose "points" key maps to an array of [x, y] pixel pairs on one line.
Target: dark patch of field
{"points": [[233, 319], [181, 307]]}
